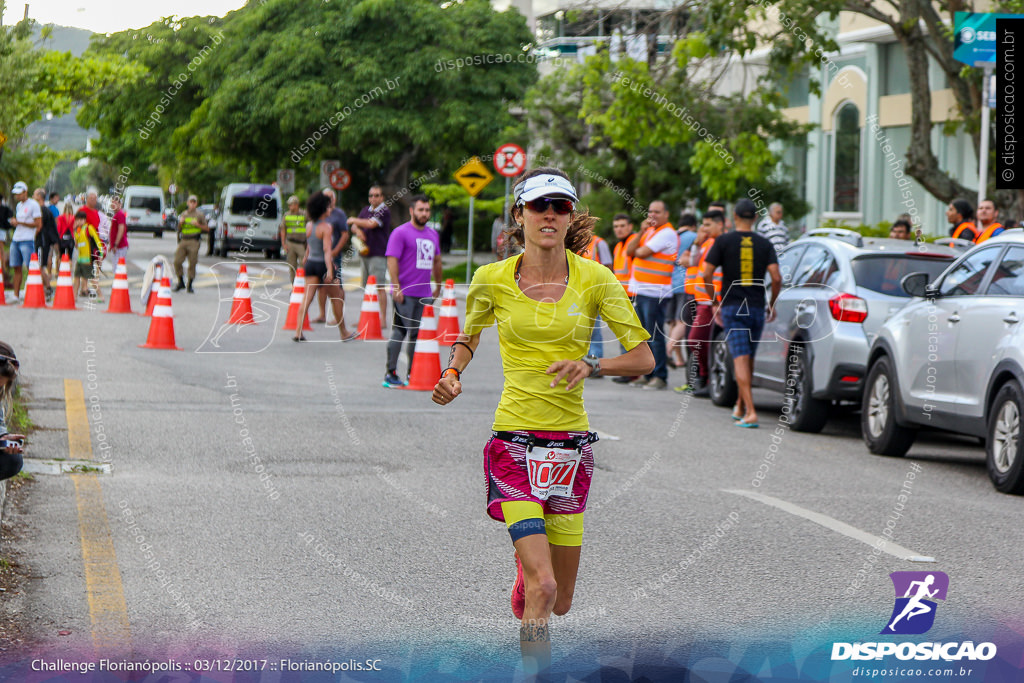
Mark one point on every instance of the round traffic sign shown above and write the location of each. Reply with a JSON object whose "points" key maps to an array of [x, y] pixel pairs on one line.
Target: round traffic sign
{"points": [[510, 160], [340, 179]]}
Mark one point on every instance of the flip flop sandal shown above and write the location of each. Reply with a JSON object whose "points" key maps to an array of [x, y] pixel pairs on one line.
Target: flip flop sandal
{"points": [[746, 425]]}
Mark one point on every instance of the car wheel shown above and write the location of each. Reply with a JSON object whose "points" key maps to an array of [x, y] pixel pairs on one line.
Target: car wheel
{"points": [[806, 413], [1003, 450], [271, 254], [878, 413], [158, 234], [721, 382]]}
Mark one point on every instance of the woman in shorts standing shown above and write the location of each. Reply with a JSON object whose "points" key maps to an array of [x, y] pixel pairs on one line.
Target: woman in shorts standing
{"points": [[319, 266], [538, 462]]}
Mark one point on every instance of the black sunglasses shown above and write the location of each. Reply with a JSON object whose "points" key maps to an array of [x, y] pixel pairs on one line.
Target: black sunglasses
{"points": [[561, 205]]}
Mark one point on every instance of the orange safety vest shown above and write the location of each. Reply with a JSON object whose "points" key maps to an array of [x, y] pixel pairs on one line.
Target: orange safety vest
{"points": [[622, 264], [591, 251], [966, 225], [987, 233], [695, 276], [656, 269]]}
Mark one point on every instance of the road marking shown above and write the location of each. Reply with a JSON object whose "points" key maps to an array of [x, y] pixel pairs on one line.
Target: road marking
{"points": [[884, 544], [79, 440], [104, 591]]}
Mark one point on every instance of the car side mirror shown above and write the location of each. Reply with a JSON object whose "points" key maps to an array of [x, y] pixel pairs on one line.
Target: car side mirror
{"points": [[916, 284]]}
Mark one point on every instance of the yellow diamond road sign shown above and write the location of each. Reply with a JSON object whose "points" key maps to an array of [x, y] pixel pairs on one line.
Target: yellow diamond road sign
{"points": [[473, 176]]}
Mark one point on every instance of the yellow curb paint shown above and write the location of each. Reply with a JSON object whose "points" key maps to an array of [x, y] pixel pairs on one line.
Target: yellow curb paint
{"points": [[108, 611], [79, 438]]}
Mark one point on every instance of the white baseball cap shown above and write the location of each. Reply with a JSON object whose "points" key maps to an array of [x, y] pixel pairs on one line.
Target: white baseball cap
{"points": [[19, 187], [547, 185]]}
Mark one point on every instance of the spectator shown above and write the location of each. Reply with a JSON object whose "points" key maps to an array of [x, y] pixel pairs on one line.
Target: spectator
{"points": [[988, 225], [622, 265], [96, 217], [598, 251], [682, 308], [6, 214], [499, 240], [702, 326], [191, 225], [66, 231], [960, 215], [27, 221], [744, 257], [339, 240], [373, 226], [11, 445], [118, 244], [414, 256], [88, 252], [654, 256], [46, 238], [726, 222], [900, 230], [293, 235], [773, 228], [54, 209], [319, 265]]}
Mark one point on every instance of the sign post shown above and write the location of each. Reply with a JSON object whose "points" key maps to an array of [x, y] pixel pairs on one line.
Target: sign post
{"points": [[326, 168], [509, 161], [974, 44], [473, 176], [286, 180]]}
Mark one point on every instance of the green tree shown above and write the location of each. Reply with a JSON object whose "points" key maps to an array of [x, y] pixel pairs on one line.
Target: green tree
{"points": [[364, 81], [35, 81]]}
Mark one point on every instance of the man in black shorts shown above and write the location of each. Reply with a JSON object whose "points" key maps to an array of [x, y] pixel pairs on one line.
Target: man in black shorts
{"points": [[744, 256]]}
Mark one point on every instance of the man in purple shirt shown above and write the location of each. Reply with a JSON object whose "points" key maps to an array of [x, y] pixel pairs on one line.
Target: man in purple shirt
{"points": [[413, 256], [373, 226]]}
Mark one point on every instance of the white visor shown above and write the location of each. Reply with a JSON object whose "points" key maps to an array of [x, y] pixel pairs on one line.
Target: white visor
{"points": [[545, 186]]}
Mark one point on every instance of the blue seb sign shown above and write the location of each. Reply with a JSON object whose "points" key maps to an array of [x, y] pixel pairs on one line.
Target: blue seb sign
{"points": [[974, 37]]}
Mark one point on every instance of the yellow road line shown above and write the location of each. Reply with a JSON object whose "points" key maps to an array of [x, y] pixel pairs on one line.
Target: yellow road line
{"points": [[79, 439], [108, 611]]}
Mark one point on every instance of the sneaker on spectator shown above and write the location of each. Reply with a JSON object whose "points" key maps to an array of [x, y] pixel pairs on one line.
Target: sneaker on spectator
{"points": [[656, 383], [392, 381], [640, 381], [623, 380]]}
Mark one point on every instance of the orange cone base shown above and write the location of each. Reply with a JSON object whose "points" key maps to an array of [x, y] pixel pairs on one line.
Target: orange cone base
{"points": [[426, 368]]}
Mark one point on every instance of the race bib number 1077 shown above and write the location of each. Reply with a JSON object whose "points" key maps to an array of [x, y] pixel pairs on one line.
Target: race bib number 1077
{"points": [[552, 471]]}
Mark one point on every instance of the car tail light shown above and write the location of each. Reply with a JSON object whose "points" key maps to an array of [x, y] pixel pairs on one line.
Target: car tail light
{"points": [[848, 308]]}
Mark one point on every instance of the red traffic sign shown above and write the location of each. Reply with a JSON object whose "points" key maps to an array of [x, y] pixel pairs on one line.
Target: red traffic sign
{"points": [[510, 160], [340, 179]]}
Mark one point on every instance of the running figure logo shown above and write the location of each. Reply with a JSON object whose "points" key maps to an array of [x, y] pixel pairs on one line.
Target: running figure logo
{"points": [[914, 612]]}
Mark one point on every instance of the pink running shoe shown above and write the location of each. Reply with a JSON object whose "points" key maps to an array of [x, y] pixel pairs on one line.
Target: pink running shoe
{"points": [[518, 591]]}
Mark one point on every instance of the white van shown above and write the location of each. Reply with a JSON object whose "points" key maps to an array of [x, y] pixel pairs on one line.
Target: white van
{"points": [[249, 220], [145, 209]]}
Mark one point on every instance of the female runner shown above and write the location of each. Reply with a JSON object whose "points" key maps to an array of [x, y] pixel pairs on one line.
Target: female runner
{"points": [[538, 462]]}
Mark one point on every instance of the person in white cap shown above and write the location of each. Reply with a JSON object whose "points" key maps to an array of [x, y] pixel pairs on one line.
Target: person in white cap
{"points": [[539, 462], [27, 221]]}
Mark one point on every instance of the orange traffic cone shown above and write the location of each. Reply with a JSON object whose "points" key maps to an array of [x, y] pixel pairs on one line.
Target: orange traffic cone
{"points": [[369, 314], [426, 359], [241, 305], [161, 327], [295, 303], [64, 299], [120, 299], [448, 325], [154, 290], [35, 297]]}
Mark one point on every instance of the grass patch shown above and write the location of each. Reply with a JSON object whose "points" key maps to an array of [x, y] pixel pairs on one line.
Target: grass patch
{"points": [[82, 469], [458, 272], [19, 422], [28, 476]]}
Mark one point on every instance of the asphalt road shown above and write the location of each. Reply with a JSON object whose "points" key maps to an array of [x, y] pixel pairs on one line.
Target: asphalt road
{"points": [[361, 527]]}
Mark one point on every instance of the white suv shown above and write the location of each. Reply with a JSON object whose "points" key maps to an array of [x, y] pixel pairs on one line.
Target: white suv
{"points": [[953, 359]]}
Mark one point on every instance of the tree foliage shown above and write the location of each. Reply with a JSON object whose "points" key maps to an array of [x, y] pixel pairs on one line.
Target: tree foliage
{"points": [[373, 83]]}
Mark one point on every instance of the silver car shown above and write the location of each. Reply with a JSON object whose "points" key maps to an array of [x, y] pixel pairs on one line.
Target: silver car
{"points": [[838, 288], [953, 359]]}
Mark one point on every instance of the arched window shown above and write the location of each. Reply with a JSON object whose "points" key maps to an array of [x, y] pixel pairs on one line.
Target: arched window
{"points": [[846, 153]]}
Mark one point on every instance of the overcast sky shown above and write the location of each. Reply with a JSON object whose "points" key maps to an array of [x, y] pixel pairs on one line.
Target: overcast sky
{"points": [[112, 15]]}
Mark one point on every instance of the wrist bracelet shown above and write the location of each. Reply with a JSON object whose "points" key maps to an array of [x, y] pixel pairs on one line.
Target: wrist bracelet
{"points": [[458, 375], [460, 343]]}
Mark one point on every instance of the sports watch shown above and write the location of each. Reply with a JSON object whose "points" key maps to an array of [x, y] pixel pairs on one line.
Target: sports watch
{"points": [[594, 362]]}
